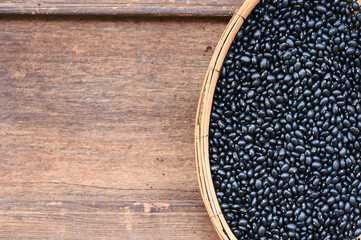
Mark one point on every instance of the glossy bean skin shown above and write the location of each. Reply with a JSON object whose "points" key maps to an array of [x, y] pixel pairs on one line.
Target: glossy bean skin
{"points": [[284, 138]]}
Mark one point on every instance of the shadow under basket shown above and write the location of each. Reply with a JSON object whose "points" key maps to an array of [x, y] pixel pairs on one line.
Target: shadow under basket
{"points": [[203, 119]]}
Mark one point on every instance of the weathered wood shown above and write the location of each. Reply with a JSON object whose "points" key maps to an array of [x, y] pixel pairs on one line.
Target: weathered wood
{"points": [[96, 128], [204, 8], [129, 220]]}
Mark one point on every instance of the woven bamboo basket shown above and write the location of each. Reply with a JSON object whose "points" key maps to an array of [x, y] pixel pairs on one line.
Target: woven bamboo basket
{"points": [[203, 118]]}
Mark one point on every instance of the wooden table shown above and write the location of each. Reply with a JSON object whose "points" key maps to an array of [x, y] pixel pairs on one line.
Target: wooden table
{"points": [[97, 108]]}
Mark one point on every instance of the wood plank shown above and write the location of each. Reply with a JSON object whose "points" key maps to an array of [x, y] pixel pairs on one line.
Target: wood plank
{"points": [[133, 220], [96, 117], [194, 8]]}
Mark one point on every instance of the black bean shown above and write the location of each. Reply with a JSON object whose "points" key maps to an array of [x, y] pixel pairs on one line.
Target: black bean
{"points": [[321, 8], [330, 149], [291, 227], [221, 173], [287, 55], [299, 134], [261, 159], [248, 138], [284, 130], [229, 216], [316, 165], [242, 222], [261, 231], [242, 176], [245, 60], [343, 152], [258, 184], [350, 51], [353, 201], [354, 131], [264, 63], [325, 209], [302, 217], [357, 232], [331, 201], [333, 32], [257, 34], [290, 43], [251, 94], [309, 64], [316, 223], [287, 194], [221, 124], [285, 176], [355, 6], [336, 165], [300, 149], [320, 46], [324, 101]]}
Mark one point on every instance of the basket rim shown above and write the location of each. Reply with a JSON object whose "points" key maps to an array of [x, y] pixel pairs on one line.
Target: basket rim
{"points": [[203, 118]]}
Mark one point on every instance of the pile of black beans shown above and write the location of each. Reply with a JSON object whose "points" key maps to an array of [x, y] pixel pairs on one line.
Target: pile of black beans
{"points": [[284, 138]]}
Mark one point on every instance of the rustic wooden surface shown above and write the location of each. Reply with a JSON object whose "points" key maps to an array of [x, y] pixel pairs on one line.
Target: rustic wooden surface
{"points": [[96, 126], [203, 8]]}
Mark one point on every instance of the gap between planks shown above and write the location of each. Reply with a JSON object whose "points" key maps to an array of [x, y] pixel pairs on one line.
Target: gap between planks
{"points": [[123, 9]]}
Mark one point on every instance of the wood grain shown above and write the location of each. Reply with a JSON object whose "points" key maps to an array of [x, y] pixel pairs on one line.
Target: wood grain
{"points": [[96, 127], [200, 8], [66, 220]]}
